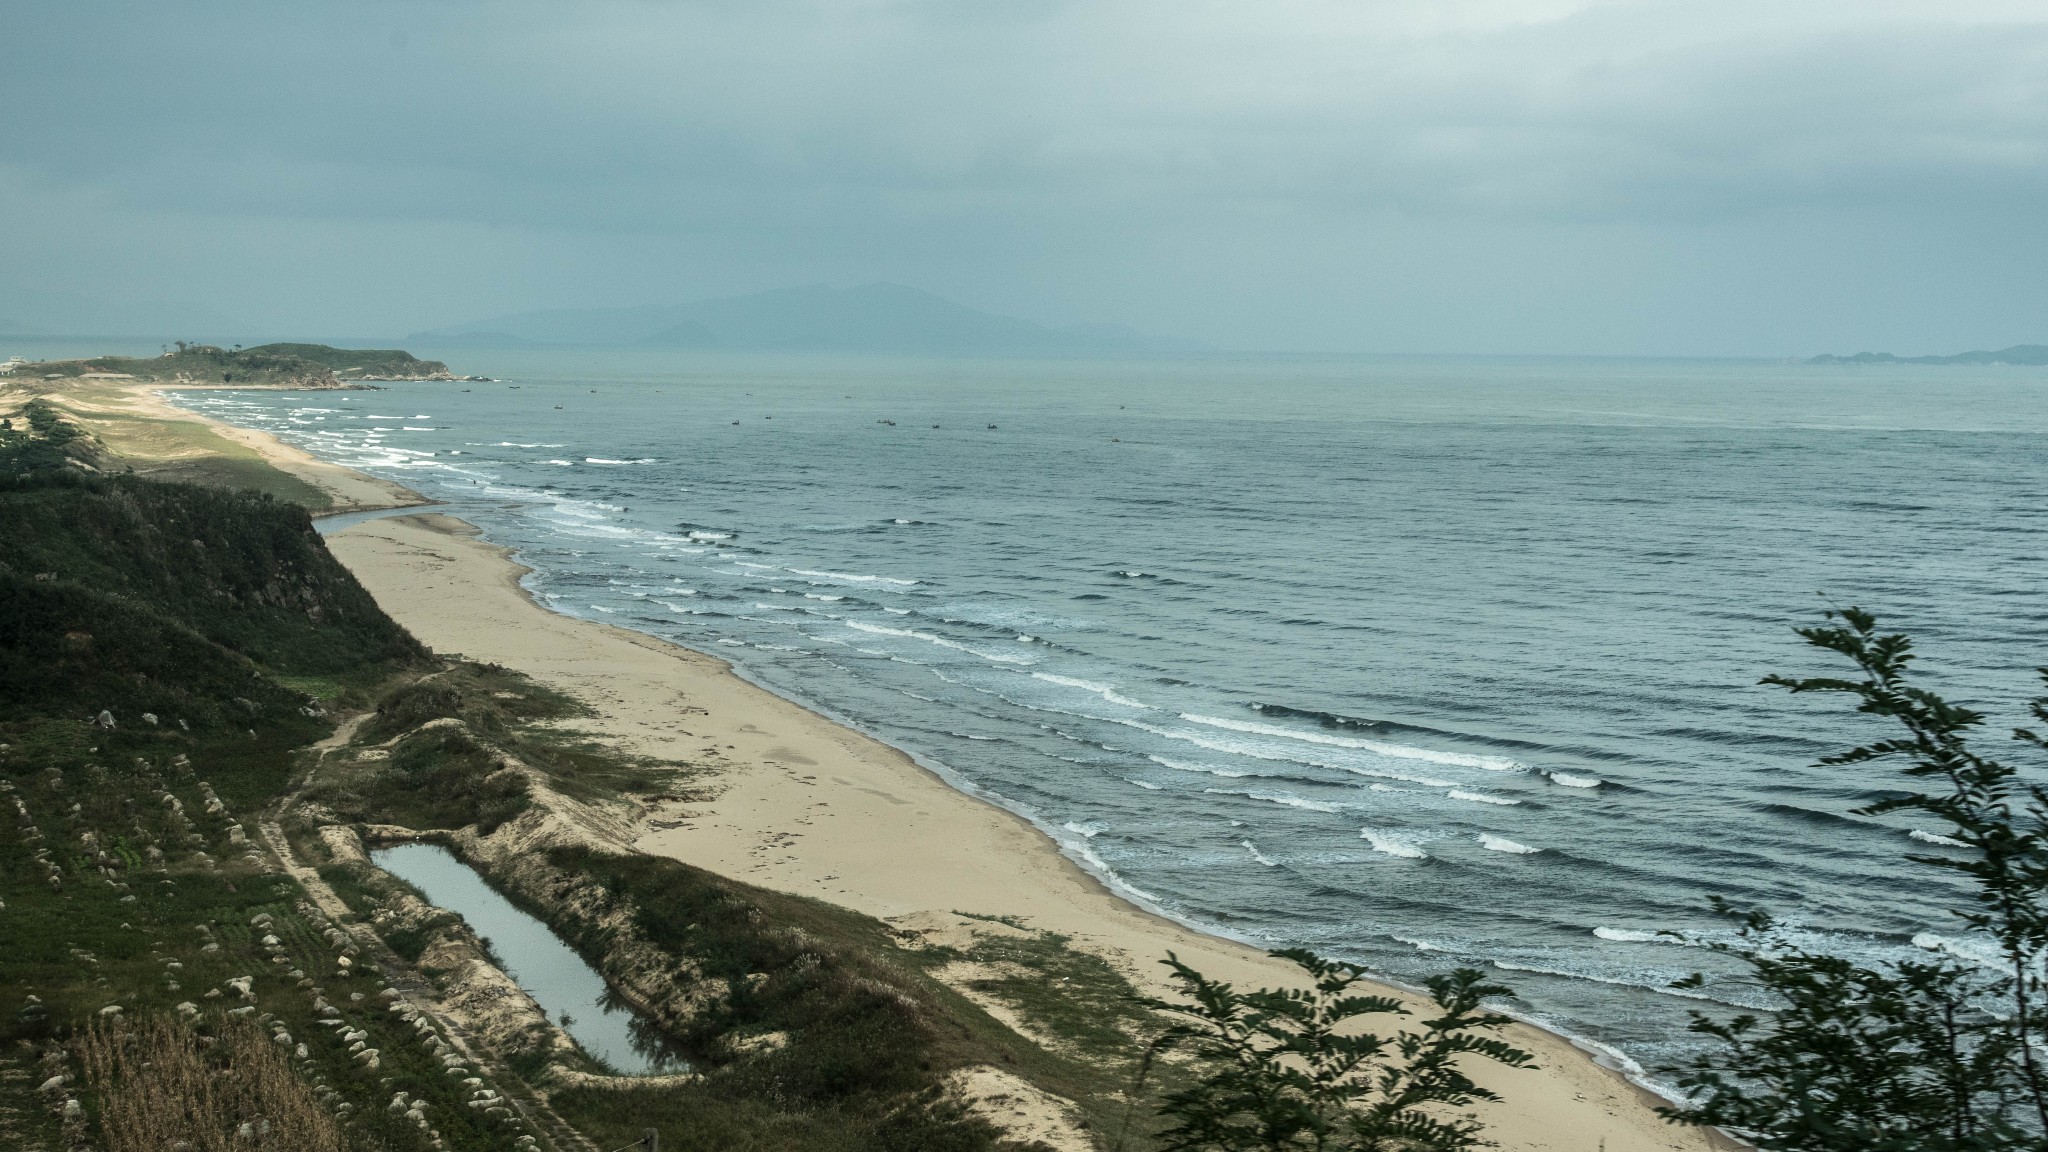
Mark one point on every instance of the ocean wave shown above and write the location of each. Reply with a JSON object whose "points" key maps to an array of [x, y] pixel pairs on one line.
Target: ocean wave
{"points": [[1568, 780], [1261, 857], [1106, 691], [1936, 838], [1326, 719], [941, 641], [1091, 831], [852, 578], [1180, 766], [1259, 752], [1284, 799], [1480, 797], [1380, 747], [1663, 987], [1494, 843], [1631, 936], [1398, 844]]}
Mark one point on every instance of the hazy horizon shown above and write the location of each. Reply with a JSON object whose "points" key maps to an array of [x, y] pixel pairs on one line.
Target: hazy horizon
{"points": [[1502, 177]]}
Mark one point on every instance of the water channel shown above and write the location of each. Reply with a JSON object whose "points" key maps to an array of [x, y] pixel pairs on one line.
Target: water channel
{"points": [[565, 986]]}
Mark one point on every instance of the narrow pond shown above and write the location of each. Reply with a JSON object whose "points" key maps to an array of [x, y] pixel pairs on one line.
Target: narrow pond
{"points": [[565, 986]]}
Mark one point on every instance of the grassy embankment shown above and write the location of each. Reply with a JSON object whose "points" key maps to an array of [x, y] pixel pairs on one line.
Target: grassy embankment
{"points": [[168, 652]]}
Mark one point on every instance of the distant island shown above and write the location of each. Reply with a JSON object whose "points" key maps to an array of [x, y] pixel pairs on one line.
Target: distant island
{"points": [[275, 365], [2032, 354], [879, 317]]}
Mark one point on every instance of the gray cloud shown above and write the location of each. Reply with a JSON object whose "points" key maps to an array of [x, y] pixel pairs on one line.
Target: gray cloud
{"points": [[1544, 176]]}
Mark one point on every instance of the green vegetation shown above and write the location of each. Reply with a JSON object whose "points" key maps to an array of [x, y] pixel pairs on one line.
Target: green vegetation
{"points": [[361, 363], [1935, 1055], [286, 365], [1289, 1069]]}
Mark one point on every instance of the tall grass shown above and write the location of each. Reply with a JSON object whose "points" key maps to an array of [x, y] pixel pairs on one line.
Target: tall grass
{"points": [[160, 1087]]}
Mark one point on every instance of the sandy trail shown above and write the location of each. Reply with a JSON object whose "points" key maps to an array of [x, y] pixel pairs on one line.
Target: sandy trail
{"points": [[807, 806]]}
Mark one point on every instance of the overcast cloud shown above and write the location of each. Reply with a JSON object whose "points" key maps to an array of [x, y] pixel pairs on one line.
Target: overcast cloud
{"points": [[1513, 176]]}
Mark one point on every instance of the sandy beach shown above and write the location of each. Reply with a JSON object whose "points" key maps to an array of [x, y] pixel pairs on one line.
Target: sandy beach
{"points": [[800, 803], [804, 805]]}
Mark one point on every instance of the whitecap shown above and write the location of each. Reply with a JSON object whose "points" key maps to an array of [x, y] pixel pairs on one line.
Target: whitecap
{"points": [[1631, 936], [1984, 955], [1284, 799], [1936, 838], [1568, 780], [1183, 766], [1401, 751], [1089, 830], [927, 637], [1261, 857], [856, 579], [1106, 691], [1494, 843], [1480, 797], [1145, 784], [1260, 752], [1392, 844]]}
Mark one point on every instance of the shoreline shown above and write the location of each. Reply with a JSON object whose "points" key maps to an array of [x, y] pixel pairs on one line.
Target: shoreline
{"points": [[921, 850], [957, 850]]}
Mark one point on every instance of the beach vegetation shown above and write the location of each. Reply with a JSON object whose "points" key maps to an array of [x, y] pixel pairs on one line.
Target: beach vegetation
{"points": [[1934, 1055], [1293, 1069]]}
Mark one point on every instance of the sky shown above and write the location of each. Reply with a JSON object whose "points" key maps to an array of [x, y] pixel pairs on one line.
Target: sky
{"points": [[1610, 177]]}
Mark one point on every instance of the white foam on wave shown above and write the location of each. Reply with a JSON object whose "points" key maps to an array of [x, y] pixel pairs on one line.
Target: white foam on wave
{"points": [[815, 596], [1984, 955], [1392, 844], [1568, 780], [1089, 830], [852, 578], [1259, 752], [1284, 799], [1381, 747], [602, 608], [709, 536], [1184, 766], [1145, 784], [941, 641], [1663, 988], [1936, 838], [1480, 797], [1106, 691], [1632, 936], [1494, 843], [1261, 857]]}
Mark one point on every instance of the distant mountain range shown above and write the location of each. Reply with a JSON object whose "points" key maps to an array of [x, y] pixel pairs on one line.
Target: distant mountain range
{"points": [[877, 317], [2017, 354]]}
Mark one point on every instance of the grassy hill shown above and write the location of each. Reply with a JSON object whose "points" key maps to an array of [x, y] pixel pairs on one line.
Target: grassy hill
{"points": [[276, 365], [362, 363]]}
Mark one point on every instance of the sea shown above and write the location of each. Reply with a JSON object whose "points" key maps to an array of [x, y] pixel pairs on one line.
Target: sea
{"points": [[1418, 662]]}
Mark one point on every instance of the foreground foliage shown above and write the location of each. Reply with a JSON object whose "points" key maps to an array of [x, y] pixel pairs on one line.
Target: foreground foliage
{"points": [[1934, 1055], [1287, 1068]]}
